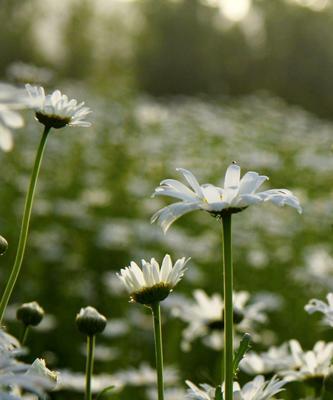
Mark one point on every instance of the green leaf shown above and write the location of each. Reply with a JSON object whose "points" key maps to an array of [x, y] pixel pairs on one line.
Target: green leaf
{"points": [[218, 393], [242, 350], [104, 391]]}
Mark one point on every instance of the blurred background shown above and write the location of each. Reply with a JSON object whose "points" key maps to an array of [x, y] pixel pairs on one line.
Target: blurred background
{"points": [[172, 83]]}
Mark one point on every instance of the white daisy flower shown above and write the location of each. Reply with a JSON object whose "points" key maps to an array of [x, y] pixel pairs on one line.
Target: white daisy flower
{"points": [[309, 365], [257, 389], [315, 305], [204, 313], [56, 110], [236, 195], [150, 283]]}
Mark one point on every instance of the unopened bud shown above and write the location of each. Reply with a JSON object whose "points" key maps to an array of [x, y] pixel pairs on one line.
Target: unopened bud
{"points": [[30, 314], [90, 321]]}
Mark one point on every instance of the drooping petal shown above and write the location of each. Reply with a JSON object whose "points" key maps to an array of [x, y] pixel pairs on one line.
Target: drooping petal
{"points": [[169, 214], [281, 197], [178, 186], [167, 191]]}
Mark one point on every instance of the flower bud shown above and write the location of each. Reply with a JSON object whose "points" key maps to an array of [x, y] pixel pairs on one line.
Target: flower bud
{"points": [[90, 321], [30, 314], [3, 245]]}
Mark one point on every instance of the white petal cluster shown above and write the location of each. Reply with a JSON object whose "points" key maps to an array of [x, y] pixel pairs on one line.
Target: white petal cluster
{"points": [[56, 110], [16, 376], [235, 195], [315, 363], [139, 281], [257, 389], [204, 313], [315, 305], [271, 361]]}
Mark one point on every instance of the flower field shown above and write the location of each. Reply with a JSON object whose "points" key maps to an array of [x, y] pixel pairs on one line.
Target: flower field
{"points": [[91, 217]]}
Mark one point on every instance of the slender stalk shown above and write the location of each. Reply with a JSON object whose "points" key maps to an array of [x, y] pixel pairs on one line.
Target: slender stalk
{"points": [[24, 334], [156, 310], [228, 308], [89, 365], [24, 226]]}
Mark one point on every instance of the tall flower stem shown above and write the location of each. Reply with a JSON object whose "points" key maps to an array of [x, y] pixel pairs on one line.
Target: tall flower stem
{"points": [[24, 226], [89, 365], [156, 310], [228, 308]]}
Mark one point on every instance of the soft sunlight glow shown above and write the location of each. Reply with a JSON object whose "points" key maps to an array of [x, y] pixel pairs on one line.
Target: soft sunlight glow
{"points": [[235, 10], [316, 5]]}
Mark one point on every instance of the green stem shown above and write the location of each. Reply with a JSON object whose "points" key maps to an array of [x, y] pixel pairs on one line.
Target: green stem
{"points": [[24, 334], [156, 310], [228, 308], [89, 365], [24, 227]]}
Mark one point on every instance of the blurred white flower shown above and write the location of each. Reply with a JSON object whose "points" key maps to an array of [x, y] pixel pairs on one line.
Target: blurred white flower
{"points": [[236, 195], [75, 381], [56, 110], [257, 389], [39, 368], [315, 363], [12, 99], [315, 305], [273, 360], [21, 72], [203, 315], [151, 283], [318, 267], [16, 376], [144, 375]]}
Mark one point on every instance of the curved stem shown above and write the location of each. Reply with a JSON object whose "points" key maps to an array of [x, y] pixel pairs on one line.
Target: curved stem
{"points": [[156, 310], [228, 308], [89, 365], [24, 227]]}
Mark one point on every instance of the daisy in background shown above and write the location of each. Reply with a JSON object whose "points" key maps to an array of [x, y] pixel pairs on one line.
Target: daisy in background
{"points": [[316, 305], [204, 316], [149, 285], [309, 366], [271, 361], [257, 389], [53, 111]]}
